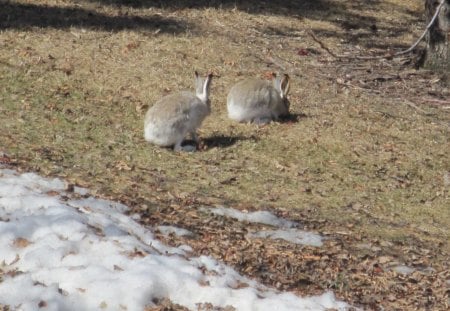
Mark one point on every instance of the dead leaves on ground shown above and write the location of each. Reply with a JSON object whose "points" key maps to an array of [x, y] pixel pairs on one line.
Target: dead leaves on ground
{"points": [[358, 269]]}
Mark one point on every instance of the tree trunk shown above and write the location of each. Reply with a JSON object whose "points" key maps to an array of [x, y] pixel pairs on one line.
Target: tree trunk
{"points": [[437, 55]]}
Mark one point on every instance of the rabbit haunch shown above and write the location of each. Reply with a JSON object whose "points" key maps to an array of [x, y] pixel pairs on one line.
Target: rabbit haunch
{"points": [[259, 101], [173, 117]]}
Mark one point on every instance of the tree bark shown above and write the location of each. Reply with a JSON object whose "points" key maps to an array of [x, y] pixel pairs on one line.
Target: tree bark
{"points": [[437, 55]]}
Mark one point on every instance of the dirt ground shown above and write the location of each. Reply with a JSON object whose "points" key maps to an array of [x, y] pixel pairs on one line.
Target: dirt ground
{"points": [[364, 159]]}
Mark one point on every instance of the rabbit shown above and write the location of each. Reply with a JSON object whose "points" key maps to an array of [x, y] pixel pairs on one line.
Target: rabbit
{"points": [[259, 101], [173, 117]]}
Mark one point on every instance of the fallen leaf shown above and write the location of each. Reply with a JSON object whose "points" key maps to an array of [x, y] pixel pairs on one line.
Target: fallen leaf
{"points": [[122, 166], [239, 285], [4, 159], [132, 45], [117, 268], [136, 253], [203, 283], [302, 52], [21, 243], [52, 193]]}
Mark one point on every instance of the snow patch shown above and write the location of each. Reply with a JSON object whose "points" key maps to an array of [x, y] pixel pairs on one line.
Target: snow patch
{"points": [[402, 269], [262, 217], [291, 235], [87, 255], [286, 231], [167, 230]]}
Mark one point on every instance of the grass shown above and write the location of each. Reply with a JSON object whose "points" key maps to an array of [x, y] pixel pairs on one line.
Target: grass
{"points": [[74, 101], [73, 97]]}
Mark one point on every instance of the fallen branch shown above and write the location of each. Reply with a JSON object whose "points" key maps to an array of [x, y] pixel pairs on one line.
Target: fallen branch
{"points": [[279, 62], [436, 101], [390, 55], [413, 105]]}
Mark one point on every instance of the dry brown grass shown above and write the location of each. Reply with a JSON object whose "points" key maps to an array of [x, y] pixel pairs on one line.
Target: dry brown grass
{"points": [[77, 76]]}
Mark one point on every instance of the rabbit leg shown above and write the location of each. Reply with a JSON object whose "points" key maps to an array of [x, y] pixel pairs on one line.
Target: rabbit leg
{"points": [[188, 148], [194, 136], [262, 120], [178, 146]]}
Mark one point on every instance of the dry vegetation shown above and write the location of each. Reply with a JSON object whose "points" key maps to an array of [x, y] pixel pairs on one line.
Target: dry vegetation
{"points": [[364, 159]]}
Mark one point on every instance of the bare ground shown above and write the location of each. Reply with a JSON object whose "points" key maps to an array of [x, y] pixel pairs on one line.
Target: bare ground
{"points": [[364, 159]]}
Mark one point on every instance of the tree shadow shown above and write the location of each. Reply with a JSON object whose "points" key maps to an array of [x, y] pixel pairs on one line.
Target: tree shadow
{"points": [[281, 7], [356, 27], [22, 16]]}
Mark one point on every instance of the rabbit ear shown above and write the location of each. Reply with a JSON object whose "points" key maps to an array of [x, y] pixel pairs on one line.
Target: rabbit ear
{"points": [[203, 86], [198, 80], [198, 84], [283, 85], [207, 84]]}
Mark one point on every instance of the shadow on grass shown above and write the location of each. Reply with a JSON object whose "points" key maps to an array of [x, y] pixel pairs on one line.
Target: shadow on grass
{"points": [[219, 141], [281, 7], [224, 141], [22, 16], [293, 118], [324, 10]]}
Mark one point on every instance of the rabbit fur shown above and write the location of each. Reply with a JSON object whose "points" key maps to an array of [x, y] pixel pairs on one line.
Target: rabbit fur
{"points": [[259, 101], [173, 117]]}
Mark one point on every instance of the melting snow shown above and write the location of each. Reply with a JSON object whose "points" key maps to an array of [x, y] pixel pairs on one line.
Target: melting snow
{"points": [[87, 255], [402, 269], [286, 229], [167, 230], [290, 235], [261, 217]]}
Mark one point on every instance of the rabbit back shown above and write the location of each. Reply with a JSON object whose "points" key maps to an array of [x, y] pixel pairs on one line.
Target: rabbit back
{"points": [[252, 98], [173, 117]]}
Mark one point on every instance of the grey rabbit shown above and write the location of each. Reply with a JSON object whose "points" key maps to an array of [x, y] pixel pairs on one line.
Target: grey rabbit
{"points": [[259, 101], [173, 117]]}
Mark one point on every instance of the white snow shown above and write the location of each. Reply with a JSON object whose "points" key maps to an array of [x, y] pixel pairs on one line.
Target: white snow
{"points": [[68, 254], [262, 217], [291, 235], [286, 229], [167, 230], [402, 269]]}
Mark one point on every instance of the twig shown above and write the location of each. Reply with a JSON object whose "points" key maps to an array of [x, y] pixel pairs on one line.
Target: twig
{"points": [[433, 19], [276, 62], [390, 55], [390, 115], [323, 46], [436, 101], [413, 105]]}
